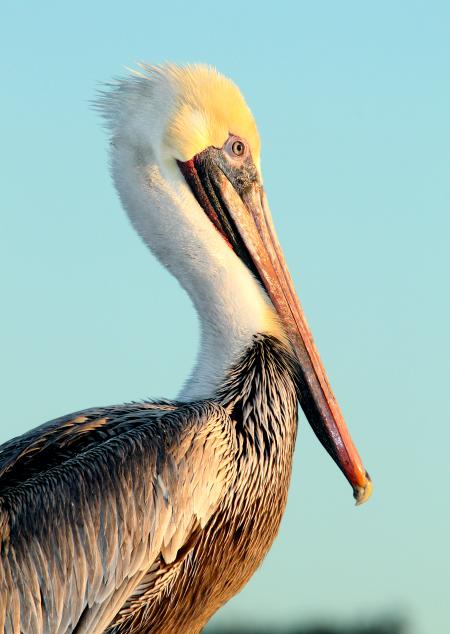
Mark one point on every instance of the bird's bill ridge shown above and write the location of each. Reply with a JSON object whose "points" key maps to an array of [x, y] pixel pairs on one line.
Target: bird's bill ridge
{"points": [[235, 202]]}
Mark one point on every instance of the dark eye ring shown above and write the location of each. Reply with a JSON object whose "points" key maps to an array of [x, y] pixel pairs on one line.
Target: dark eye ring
{"points": [[238, 148]]}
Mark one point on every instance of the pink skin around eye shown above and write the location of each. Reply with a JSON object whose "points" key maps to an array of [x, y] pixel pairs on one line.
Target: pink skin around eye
{"points": [[230, 144]]}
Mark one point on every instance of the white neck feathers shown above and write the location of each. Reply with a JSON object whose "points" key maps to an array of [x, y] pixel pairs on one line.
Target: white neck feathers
{"points": [[231, 305]]}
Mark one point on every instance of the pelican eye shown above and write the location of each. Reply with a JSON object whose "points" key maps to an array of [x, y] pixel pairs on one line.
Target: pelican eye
{"points": [[238, 148]]}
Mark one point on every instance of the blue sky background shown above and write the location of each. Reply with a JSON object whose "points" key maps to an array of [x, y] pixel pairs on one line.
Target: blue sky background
{"points": [[352, 101]]}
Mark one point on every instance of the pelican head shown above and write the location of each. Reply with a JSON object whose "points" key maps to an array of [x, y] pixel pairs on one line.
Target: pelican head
{"points": [[186, 163]]}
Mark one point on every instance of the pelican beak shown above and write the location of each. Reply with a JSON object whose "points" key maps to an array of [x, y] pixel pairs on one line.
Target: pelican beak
{"points": [[236, 203]]}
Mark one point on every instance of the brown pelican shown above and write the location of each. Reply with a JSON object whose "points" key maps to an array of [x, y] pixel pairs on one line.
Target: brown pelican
{"points": [[148, 517]]}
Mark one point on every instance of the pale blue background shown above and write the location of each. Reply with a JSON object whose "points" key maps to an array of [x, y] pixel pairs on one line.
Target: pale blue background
{"points": [[352, 100]]}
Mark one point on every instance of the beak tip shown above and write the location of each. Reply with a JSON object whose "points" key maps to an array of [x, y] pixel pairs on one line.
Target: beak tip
{"points": [[363, 493]]}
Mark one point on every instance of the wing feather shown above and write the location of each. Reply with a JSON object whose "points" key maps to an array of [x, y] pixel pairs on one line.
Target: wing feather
{"points": [[89, 502]]}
